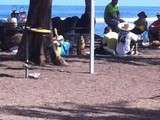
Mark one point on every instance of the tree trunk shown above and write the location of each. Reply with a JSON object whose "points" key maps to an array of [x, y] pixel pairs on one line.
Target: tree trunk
{"points": [[39, 16], [88, 6]]}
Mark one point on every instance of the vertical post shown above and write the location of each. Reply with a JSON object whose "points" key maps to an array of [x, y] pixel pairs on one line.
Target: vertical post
{"points": [[27, 52], [92, 36]]}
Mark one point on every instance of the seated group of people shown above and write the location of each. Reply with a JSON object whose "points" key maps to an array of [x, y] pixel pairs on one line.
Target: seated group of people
{"points": [[122, 44], [121, 37], [125, 41]]}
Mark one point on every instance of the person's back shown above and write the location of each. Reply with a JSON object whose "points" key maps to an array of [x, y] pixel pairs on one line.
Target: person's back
{"points": [[124, 47], [110, 41], [124, 39]]}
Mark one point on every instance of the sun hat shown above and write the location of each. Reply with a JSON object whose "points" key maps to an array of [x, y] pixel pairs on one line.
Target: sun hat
{"points": [[142, 15], [126, 26]]}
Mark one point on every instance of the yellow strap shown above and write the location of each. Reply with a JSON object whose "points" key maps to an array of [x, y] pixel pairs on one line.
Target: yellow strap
{"points": [[40, 30]]}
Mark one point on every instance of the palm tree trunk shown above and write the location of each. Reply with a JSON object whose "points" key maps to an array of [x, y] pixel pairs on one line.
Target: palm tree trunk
{"points": [[39, 16]]}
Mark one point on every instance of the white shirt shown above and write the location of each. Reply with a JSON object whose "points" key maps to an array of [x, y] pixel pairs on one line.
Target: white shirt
{"points": [[13, 20], [123, 48]]}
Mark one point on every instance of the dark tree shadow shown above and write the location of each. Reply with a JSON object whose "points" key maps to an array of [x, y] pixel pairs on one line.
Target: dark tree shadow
{"points": [[147, 57], [71, 111], [6, 75], [8, 57], [132, 60], [155, 97], [15, 68], [3, 65]]}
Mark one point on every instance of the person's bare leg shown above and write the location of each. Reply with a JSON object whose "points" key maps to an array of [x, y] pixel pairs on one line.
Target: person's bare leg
{"points": [[136, 48]]}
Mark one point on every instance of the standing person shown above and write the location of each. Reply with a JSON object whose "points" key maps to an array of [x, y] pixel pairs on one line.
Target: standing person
{"points": [[127, 41], [112, 15]]}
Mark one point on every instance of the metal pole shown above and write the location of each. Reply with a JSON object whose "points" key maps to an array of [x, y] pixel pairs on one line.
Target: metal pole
{"points": [[27, 53], [92, 36]]}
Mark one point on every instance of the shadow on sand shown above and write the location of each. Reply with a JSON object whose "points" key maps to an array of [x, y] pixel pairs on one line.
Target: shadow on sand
{"points": [[71, 111], [6, 75], [137, 60], [8, 57]]}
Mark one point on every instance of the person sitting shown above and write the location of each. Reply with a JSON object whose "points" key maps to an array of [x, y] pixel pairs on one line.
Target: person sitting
{"points": [[140, 24], [22, 15], [127, 41], [154, 30], [110, 40], [13, 18], [112, 15], [62, 47], [141, 28]]}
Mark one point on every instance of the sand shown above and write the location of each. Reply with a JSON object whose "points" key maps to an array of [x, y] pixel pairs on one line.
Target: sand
{"points": [[120, 89]]}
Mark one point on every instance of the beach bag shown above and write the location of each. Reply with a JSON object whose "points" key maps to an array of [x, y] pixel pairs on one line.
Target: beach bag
{"points": [[65, 48], [144, 37]]}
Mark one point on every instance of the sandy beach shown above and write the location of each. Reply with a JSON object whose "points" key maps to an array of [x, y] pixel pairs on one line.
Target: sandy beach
{"points": [[120, 89]]}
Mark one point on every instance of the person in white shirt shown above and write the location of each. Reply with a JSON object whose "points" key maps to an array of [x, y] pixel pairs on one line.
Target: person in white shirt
{"points": [[125, 39]]}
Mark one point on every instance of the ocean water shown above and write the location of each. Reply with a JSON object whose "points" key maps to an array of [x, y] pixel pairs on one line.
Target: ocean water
{"points": [[128, 13]]}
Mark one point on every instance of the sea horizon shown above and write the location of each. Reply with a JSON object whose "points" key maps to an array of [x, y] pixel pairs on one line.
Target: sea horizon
{"points": [[59, 10], [128, 13], [84, 5]]}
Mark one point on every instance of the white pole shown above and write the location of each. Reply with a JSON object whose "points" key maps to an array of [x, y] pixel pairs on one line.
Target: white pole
{"points": [[92, 36]]}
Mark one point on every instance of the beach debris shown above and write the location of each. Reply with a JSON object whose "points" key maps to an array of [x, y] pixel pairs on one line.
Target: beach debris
{"points": [[14, 50], [61, 70], [155, 44], [145, 44], [34, 75], [87, 52]]}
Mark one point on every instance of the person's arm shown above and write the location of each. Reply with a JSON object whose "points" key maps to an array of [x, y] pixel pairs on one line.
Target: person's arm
{"points": [[134, 37], [146, 26]]}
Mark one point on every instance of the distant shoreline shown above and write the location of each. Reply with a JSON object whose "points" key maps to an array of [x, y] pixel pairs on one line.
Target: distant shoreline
{"points": [[81, 5], [101, 20], [150, 19]]}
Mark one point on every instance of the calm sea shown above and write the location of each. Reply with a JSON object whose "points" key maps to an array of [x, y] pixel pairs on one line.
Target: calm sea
{"points": [[65, 11]]}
